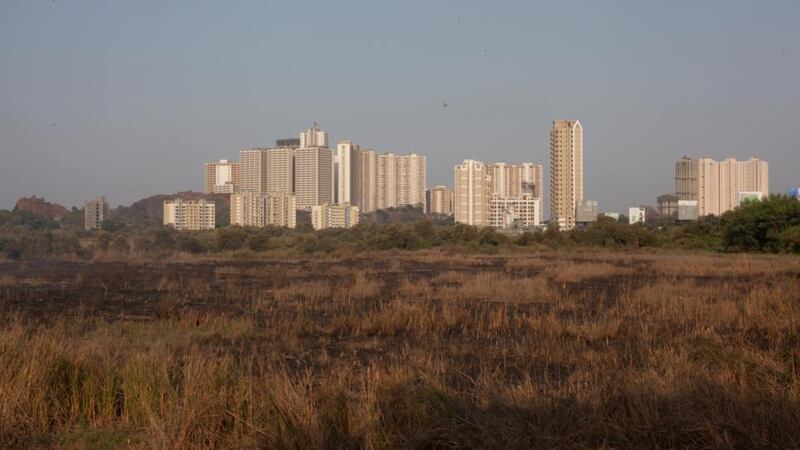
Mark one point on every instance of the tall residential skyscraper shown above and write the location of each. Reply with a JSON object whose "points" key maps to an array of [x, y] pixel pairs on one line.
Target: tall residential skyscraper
{"points": [[566, 171], [314, 137], [411, 180], [472, 185], [347, 173], [720, 183], [94, 213], [253, 170], [222, 177], [313, 175], [686, 178], [279, 170], [369, 174], [189, 214], [386, 181]]}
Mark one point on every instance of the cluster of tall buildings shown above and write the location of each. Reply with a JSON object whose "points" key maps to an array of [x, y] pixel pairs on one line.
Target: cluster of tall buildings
{"points": [[267, 185], [715, 187], [498, 195]]}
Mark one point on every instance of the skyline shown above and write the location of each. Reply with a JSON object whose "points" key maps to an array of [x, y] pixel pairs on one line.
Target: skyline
{"points": [[135, 97]]}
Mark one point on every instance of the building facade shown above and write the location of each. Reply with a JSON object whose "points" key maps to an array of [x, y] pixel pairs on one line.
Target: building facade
{"points": [[347, 173], [313, 176], [257, 209], [566, 171], [667, 204], [439, 200], [94, 213], [471, 193], [253, 170], [189, 214], [222, 177], [686, 178], [586, 212], [520, 212], [720, 182], [333, 216], [636, 214], [313, 137]]}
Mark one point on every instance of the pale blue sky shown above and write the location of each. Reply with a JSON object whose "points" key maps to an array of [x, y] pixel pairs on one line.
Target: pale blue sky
{"points": [[128, 99]]}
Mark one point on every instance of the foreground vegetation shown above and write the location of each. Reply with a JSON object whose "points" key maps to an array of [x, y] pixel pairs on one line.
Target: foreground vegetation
{"points": [[403, 350], [771, 226]]}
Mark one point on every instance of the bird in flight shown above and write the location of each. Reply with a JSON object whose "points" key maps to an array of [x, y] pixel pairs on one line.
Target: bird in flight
{"points": [[444, 104]]}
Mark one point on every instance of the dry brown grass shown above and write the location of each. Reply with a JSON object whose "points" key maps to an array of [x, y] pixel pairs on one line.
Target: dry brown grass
{"points": [[387, 351]]}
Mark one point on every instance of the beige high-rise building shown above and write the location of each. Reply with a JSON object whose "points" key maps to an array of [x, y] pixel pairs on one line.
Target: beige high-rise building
{"points": [[399, 180], [222, 177], [566, 171], [333, 216], [368, 196], [248, 209], [472, 187], [410, 180], [313, 176], [386, 181], [439, 200], [253, 170], [94, 213], [719, 183], [189, 214], [279, 170], [281, 209], [257, 209], [314, 137], [686, 178], [347, 173]]}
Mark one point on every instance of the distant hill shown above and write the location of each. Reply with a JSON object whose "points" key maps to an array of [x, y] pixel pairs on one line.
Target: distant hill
{"points": [[149, 212], [40, 207]]}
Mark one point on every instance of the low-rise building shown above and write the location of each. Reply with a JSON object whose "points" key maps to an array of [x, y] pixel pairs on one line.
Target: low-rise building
{"points": [[257, 209], [612, 215], [586, 212], [94, 213], [190, 214], [750, 196], [334, 216], [514, 212], [687, 210], [636, 214]]}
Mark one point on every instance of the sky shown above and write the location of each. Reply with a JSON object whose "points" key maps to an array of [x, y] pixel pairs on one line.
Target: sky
{"points": [[129, 99]]}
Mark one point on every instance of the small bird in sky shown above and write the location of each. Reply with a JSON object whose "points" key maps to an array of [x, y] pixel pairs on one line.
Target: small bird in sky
{"points": [[444, 104]]}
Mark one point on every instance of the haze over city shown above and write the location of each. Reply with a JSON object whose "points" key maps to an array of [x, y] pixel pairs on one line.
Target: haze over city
{"points": [[129, 100]]}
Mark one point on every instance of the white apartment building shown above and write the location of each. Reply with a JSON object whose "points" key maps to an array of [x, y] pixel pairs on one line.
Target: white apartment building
{"points": [[636, 214], [279, 170], [281, 209], [253, 170], [189, 214], [520, 212], [314, 137], [347, 173], [333, 216]]}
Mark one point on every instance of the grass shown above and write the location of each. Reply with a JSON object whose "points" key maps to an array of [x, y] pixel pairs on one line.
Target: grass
{"points": [[403, 350]]}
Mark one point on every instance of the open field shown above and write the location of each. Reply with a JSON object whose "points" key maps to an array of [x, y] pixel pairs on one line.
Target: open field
{"points": [[403, 350]]}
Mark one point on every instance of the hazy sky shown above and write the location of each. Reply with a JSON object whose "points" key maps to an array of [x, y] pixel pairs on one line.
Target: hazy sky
{"points": [[128, 99]]}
